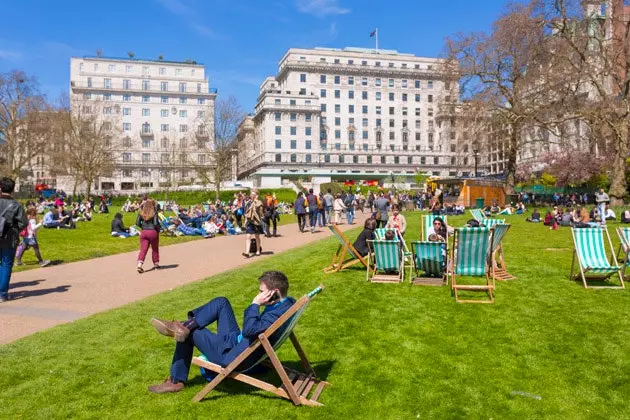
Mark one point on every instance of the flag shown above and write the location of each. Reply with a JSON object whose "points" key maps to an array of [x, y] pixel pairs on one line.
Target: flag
{"points": [[373, 33]]}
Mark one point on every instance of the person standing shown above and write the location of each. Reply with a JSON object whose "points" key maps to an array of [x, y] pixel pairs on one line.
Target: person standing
{"points": [[338, 208], [601, 198], [380, 205], [321, 211], [149, 234], [328, 205], [349, 202], [397, 220], [300, 211], [269, 212], [29, 239], [12, 221], [311, 202], [253, 223]]}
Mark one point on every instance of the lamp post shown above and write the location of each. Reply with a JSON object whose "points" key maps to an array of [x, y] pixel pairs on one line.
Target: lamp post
{"points": [[476, 155]]}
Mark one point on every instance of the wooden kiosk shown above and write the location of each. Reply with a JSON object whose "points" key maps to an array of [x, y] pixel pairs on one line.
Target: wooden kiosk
{"points": [[465, 191]]}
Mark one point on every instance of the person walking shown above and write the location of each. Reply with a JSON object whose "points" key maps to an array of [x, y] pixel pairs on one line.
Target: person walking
{"points": [[29, 239], [380, 205], [601, 198], [338, 208], [300, 211], [328, 205], [349, 202], [253, 223], [12, 221], [321, 211], [149, 226], [270, 214], [311, 202]]}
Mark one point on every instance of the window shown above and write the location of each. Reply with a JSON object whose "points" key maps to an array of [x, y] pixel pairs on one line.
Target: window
{"points": [[278, 157], [201, 159], [183, 113], [341, 159], [146, 99], [377, 81], [127, 173], [126, 126], [403, 83], [146, 143], [436, 160], [337, 121], [307, 117], [164, 86], [89, 82], [430, 98], [201, 101], [111, 68], [307, 144], [391, 110], [351, 79], [351, 94], [307, 158], [107, 83], [278, 144], [351, 139], [364, 95], [126, 142], [293, 131], [364, 109], [337, 80], [182, 87], [337, 94], [378, 110], [322, 93], [378, 96], [417, 112], [417, 124], [162, 71], [303, 78], [183, 100], [293, 116], [417, 97], [430, 84], [146, 112], [404, 110], [183, 128], [293, 144], [322, 78], [277, 101], [337, 108], [201, 114], [422, 160], [364, 135], [127, 111], [417, 84], [146, 128], [126, 98], [145, 69], [164, 99], [430, 112], [277, 116], [391, 96], [392, 135], [396, 160], [183, 143], [337, 134], [409, 160], [351, 109], [126, 84], [369, 159], [81, 67], [378, 122], [107, 110], [404, 97], [364, 81], [383, 159], [107, 96], [178, 72], [390, 83], [163, 127], [391, 123], [417, 136], [322, 107], [364, 122], [126, 157], [278, 130]]}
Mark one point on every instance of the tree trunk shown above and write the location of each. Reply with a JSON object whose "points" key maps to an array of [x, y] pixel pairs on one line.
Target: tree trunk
{"points": [[510, 179], [618, 176], [74, 187]]}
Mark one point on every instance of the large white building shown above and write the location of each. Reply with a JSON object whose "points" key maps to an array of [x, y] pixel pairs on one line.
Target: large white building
{"points": [[165, 110], [348, 114]]}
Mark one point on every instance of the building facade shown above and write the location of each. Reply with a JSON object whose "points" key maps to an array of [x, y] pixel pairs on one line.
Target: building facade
{"points": [[347, 114], [164, 116]]}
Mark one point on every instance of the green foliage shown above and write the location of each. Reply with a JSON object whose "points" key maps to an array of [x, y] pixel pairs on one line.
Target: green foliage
{"points": [[402, 351], [598, 181], [420, 178], [335, 187], [196, 197], [547, 180]]}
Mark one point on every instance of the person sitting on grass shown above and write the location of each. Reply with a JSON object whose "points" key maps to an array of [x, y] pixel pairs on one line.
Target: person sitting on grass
{"points": [[610, 214], [118, 227], [229, 341], [191, 231], [535, 218], [53, 221], [549, 219]]}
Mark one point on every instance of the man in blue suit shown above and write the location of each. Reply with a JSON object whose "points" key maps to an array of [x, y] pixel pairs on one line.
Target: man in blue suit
{"points": [[229, 341]]}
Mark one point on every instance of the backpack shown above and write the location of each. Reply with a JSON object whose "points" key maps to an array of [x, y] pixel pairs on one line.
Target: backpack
{"points": [[348, 200], [5, 224]]}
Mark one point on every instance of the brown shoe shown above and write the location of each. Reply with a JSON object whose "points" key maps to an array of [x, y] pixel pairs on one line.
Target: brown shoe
{"points": [[166, 386], [171, 329]]}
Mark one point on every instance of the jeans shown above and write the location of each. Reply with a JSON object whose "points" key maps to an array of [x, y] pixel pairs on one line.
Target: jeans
{"points": [[149, 237], [301, 221], [312, 215], [213, 346], [350, 214], [7, 256], [328, 211], [601, 209], [321, 218], [121, 234]]}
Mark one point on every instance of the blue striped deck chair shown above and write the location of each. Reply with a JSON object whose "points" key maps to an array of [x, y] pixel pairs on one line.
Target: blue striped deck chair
{"points": [[427, 224], [388, 265], [498, 259], [429, 258], [345, 249], [469, 258], [477, 214], [296, 386], [489, 223], [624, 245], [593, 264]]}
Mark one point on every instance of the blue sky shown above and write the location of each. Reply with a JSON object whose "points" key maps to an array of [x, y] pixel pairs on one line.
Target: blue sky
{"points": [[239, 41]]}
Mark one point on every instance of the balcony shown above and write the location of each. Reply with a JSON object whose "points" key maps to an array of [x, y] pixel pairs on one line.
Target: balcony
{"points": [[137, 88], [147, 133], [202, 135], [355, 69]]}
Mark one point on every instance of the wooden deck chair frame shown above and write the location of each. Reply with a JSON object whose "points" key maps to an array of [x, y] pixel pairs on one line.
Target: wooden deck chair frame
{"points": [[371, 274], [426, 280], [487, 288], [588, 273], [424, 227], [498, 259], [624, 245], [296, 386], [345, 249]]}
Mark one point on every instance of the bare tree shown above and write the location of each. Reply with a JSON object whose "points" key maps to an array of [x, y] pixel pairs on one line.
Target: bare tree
{"points": [[25, 122], [91, 133]]}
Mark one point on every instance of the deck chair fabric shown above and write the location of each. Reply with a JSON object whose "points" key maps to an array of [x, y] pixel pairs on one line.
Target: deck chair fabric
{"points": [[478, 215], [489, 223], [429, 258], [296, 386], [379, 234], [590, 253], [164, 228], [345, 249], [388, 257], [427, 224], [624, 247], [498, 258], [471, 251]]}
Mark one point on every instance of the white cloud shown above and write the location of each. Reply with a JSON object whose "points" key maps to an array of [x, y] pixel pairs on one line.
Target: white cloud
{"points": [[10, 55], [189, 14], [177, 7], [321, 8]]}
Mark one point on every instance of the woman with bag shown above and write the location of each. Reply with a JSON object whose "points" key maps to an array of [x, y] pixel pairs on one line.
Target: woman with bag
{"points": [[149, 234], [253, 224]]}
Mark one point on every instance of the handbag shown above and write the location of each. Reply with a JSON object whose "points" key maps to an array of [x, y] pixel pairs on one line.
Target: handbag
{"points": [[378, 215]]}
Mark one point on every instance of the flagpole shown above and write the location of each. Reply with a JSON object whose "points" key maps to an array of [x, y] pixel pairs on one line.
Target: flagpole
{"points": [[376, 39]]}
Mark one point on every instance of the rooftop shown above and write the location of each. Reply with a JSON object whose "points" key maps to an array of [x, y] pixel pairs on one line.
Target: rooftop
{"points": [[141, 60]]}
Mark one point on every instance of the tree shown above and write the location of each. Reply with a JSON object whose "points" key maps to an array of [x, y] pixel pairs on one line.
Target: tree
{"points": [[219, 126], [573, 168], [25, 122], [91, 133]]}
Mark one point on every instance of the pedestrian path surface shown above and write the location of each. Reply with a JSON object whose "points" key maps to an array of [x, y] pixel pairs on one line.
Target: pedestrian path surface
{"points": [[45, 297]]}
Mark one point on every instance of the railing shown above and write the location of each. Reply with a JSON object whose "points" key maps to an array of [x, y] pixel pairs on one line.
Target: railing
{"points": [[354, 68], [268, 106], [139, 87], [147, 132]]}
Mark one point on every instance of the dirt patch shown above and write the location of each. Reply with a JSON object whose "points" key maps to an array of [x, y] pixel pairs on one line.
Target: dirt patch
{"points": [[557, 249]]}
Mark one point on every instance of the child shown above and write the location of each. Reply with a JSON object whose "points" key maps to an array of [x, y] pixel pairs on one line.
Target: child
{"points": [[29, 240]]}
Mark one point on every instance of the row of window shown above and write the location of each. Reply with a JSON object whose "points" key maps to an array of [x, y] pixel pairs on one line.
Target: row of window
{"points": [[410, 160], [377, 95], [365, 109], [164, 143], [365, 81], [165, 158], [164, 173], [366, 63], [130, 69], [146, 112], [182, 100], [147, 129], [145, 85]]}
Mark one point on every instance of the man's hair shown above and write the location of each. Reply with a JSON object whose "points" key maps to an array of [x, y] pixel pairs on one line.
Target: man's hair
{"points": [[390, 235], [370, 223], [310, 191], [7, 185], [472, 223], [329, 190], [275, 280]]}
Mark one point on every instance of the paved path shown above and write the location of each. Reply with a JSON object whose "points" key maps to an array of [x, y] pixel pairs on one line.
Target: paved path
{"points": [[50, 296]]}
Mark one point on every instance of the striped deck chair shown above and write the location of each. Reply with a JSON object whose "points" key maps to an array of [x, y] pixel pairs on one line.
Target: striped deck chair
{"points": [[296, 386], [161, 204], [489, 223], [164, 226], [388, 259], [380, 235], [469, 257], [430, 259], [624, 245], [344, 250], [498, 260], [427, 224], [590, 251], [477, 214]]}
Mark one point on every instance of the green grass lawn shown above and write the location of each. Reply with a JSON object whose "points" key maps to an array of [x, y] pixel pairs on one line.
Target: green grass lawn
{"points": [[93, 240], [389, 351]]}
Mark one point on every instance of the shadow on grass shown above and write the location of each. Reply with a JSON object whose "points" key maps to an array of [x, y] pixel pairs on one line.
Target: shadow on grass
{"points": [[267, 374], [39, 292]]}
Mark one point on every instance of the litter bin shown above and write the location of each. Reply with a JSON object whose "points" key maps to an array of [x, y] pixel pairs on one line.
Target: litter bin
{"points": [[479, 203]]}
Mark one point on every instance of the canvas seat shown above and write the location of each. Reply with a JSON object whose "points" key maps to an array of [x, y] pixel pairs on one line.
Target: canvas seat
{"points": [[624, 245], [477, 214], [429, 263], [345, 249], [469, 258], [590, 250], [489, 223], [302, 388], [388, 265], [498, 259]]}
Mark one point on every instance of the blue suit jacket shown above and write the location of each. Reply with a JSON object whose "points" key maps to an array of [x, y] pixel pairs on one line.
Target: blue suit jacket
{"points": [[255, 323]]}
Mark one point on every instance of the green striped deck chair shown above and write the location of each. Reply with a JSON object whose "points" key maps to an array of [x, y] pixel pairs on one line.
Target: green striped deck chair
{"points": [[429, 263], [345, 249], [427, 224], [489, 223], [590, 251], [470, 254], [477, 214], [624, 245], [296, 386], [388, 265], [380, 235], [498, 258]]}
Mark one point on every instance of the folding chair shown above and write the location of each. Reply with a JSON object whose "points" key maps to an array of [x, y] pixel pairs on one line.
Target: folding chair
{"points": [[161, 204], [296, 386], [624, 239], [164, 227], [388, 258], [591, 256], [469, 257], [477, 214], [489, 223], [345, 248], [430, 259], [498, 261], [427, 224]]}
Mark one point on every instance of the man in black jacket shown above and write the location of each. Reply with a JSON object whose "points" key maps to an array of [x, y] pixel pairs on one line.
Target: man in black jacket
{"points": [[14, 221]]}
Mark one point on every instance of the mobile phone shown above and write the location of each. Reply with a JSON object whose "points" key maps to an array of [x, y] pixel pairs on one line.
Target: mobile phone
{"points": [[274, 297]]}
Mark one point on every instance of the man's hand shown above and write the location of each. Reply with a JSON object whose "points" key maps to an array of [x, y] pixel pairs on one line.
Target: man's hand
{"points": [[263, 298]]}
